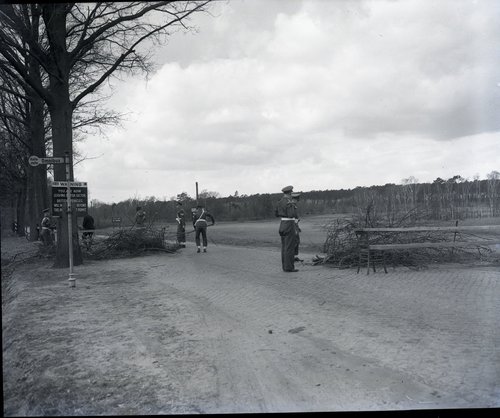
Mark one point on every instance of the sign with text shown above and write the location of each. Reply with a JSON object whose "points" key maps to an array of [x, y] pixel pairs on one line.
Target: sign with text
{"points": [[34, 160], [79, 197], [71, 183]]}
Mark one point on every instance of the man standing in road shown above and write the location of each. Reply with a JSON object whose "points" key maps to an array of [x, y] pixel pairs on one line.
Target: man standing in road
{"points": [[295, 200], [287, 211], [200, 225], [181, 225]]}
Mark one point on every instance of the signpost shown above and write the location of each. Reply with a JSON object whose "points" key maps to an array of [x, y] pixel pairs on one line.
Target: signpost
{"points": [[71, 278], [116, 222], [35, 161]]}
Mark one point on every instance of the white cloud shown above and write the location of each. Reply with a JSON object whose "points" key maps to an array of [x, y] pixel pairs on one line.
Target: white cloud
{"points": [[321, 94]]}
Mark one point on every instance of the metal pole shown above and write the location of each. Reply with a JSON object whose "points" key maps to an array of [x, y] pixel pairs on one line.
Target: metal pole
{"points": [[196, 192], [71, 278]]}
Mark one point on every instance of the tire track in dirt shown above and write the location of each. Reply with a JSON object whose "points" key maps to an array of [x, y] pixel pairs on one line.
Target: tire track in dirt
{"points": [[227, 331], [233, 299]]}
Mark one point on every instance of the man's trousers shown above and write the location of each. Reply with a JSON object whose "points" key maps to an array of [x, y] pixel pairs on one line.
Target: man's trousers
{"points": [[203, 231], [288, 243]]}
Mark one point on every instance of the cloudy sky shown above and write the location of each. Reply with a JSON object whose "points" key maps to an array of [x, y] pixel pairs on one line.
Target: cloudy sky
{"points": [[313, 93]]}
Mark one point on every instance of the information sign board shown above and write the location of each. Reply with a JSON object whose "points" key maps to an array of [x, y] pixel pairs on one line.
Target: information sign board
{"points": [[79, 199]]}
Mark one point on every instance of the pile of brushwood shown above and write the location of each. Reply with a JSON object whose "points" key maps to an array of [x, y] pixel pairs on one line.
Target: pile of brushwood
{"points": [[341, 245], [130, 242]]}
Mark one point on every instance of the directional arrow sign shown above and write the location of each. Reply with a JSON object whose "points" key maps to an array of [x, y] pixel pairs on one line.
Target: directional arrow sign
{"points": [[34, 160], [52, 160]]}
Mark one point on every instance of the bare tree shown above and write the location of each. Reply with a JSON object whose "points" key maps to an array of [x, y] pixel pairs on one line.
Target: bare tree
{"points": [[88, 42], [410, 186], [22, 120], [494, 192], [23, 107]]}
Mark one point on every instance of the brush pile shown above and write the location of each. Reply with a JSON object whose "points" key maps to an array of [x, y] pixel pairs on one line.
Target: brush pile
{"points": [[341, 245], [130, 242]]}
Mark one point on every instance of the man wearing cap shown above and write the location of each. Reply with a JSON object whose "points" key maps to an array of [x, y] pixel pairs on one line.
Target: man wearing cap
{"points": [[181, 225], [46, 224], [200, 225], [287, 211], [295, 200]]}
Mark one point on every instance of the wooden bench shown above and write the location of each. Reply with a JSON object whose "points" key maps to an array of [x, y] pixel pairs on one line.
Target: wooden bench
{"points": [[367, 250]]}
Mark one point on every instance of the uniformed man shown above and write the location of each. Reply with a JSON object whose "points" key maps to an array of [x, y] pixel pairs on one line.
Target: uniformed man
{"points": [[46, 225], [295, 200], [140, 217], [181, 225], [200, 225], [287, 211]]}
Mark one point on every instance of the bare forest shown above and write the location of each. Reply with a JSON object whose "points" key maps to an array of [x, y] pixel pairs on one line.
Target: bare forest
{"points": [[452, 199]]}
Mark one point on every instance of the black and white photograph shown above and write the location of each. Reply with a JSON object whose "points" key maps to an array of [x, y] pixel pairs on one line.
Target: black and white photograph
{"points": [[250, 207]]}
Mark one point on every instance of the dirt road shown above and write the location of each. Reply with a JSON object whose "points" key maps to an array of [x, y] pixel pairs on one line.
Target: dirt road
{"points": [[228, 331]]}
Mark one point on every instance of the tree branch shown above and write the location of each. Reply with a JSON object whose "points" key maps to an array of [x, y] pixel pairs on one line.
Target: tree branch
{"points": [[131, 49]]}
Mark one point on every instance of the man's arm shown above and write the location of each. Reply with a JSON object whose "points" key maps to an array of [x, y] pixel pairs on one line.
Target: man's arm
{"points": [[291, 211]]}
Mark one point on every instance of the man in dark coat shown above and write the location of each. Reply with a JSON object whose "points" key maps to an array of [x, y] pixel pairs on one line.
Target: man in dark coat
{"points": [[295, 200], [181, 225], [88, 226], [287, 211], [200, 216]]}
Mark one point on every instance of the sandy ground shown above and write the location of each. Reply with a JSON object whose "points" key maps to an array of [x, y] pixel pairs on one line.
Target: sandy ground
{"points": [[228, 331]]}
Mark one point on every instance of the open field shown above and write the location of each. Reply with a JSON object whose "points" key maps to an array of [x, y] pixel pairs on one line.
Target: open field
{"points": [[253, 233], [264, 233], [228, 331]]}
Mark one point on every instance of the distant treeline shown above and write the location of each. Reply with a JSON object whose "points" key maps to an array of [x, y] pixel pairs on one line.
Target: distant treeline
{"points": [[455, 198]]}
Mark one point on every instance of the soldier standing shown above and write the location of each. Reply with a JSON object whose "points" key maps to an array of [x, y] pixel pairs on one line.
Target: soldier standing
{"points": [[140, 217], [200, 225], [287, 230], [46, 225], [295, 199], [181, 225]]}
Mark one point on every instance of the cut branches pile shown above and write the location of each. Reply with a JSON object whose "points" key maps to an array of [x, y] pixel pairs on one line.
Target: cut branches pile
{"points": [[341, 245], [131, 242]]}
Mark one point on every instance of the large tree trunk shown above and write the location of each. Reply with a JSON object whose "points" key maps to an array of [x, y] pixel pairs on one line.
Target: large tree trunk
{"points": [[21, 210], [61, 115], [37, 183], [38, 198]]}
